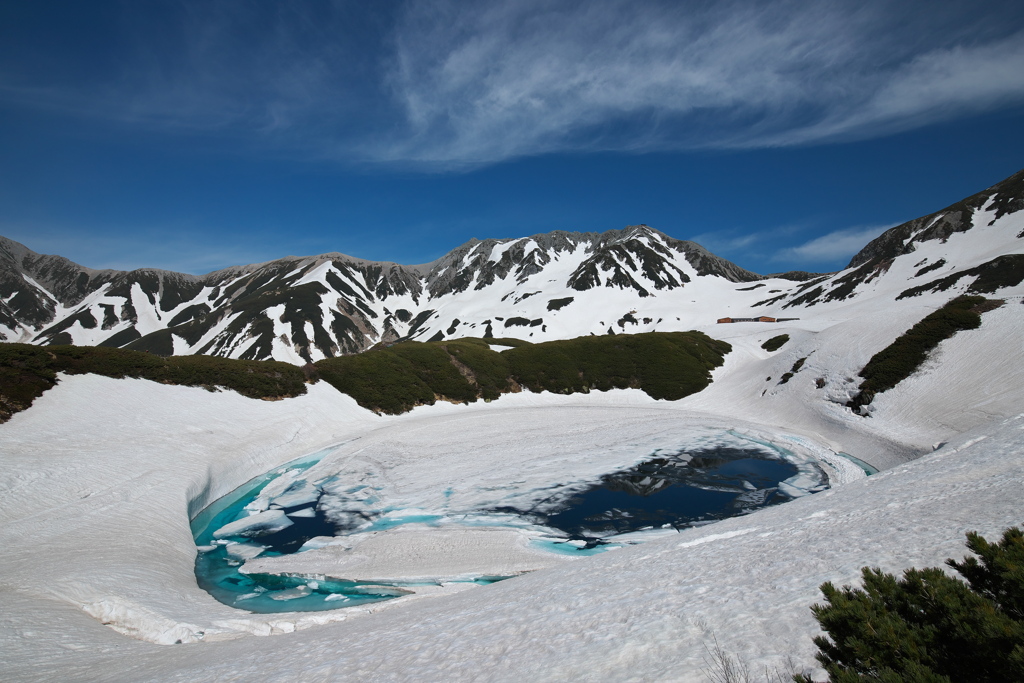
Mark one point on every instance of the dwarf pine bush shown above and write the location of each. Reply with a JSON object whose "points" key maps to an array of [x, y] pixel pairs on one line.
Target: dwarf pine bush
{"points": [[929, 626], [775, 343]]}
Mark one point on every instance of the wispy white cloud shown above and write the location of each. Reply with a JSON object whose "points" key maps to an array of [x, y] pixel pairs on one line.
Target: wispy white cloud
{"points": [[836, 246], [448, 85], [736, 242], [935, 86], [494, 81], [728, 241]]}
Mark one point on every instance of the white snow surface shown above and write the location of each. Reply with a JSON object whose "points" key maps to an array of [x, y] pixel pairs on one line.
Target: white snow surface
{"points": [[253, 525], [415, 552]]}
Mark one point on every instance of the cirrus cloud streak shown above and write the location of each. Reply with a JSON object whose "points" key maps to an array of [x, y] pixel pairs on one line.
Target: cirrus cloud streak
{"points": [[444, 85]]}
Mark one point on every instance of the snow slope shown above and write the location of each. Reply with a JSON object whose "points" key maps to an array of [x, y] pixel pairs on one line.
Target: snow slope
{"points": [[95, 520]]}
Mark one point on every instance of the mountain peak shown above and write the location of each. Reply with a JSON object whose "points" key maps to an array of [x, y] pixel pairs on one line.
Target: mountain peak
{"points": [[553, 285]]}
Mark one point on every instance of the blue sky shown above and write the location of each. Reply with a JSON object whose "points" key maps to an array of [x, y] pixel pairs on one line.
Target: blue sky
{"points": [[781, 135]]}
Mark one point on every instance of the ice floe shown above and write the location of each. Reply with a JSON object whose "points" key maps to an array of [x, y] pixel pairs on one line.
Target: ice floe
{"points": [[261, 523], [416, 553]]}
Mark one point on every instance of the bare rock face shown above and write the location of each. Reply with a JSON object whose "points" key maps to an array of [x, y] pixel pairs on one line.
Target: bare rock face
{"points": [[1005, 197]]}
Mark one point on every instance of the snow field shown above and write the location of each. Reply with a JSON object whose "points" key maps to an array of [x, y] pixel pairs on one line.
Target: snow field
{"points": [[502, 458], [640, 613], [645, 613]]}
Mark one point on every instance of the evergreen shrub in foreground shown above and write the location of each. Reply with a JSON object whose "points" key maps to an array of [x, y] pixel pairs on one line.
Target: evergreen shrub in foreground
{"points": [[929, 626]]}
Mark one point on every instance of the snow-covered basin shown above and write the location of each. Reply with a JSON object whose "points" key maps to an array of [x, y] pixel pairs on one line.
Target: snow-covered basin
{"points": [[458, 470], [98, 478], [108, 472]]}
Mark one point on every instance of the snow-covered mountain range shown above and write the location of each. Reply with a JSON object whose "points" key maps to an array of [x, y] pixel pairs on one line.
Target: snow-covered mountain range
{"points": [[551, 286], [303, 309]]}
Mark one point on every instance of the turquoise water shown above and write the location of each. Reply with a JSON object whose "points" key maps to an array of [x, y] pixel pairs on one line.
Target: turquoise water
{"points": [[218, 574]]}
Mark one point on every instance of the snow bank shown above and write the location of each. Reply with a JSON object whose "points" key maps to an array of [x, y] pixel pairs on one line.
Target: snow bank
{"points": [[258, 524], [645, 613], [642, 612], [100, 477]]}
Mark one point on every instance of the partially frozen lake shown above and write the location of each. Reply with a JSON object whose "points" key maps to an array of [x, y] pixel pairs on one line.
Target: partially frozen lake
{"points": [[344, 527]]}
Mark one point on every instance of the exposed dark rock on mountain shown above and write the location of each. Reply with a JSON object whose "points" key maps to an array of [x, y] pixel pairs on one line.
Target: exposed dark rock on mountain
{"points": [[1005, 197], [975, 213], [556, 285], [305, 308]]}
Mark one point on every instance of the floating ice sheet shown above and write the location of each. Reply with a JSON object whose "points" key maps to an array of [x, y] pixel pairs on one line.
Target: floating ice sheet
{"points": [[261, 523]]}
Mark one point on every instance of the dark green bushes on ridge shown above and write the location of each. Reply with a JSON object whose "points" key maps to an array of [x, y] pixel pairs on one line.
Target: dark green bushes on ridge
{"points": [[899, 360], [666, 365], [775, 343], [27, 371]]}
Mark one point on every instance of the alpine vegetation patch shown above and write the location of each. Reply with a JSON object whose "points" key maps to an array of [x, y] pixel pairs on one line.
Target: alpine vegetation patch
{"points": [[775, 343], [929, 626], [665, 365], [26, 371], [904, 356]]}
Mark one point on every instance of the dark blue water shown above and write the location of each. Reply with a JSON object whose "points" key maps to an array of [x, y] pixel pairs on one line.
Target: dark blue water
{"points": [[677, 490]]}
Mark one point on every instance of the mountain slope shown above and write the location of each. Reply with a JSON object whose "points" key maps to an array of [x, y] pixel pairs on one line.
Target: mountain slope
{"points": [[309, 308], [99, 468], [974, 246]]}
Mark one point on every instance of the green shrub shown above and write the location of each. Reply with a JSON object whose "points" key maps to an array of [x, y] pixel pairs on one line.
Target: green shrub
{"points": [[667, 365], [793, 370], [775, 343], [899, 360], [27, 371], [929, 626], [381, 380], [485, 368]]}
